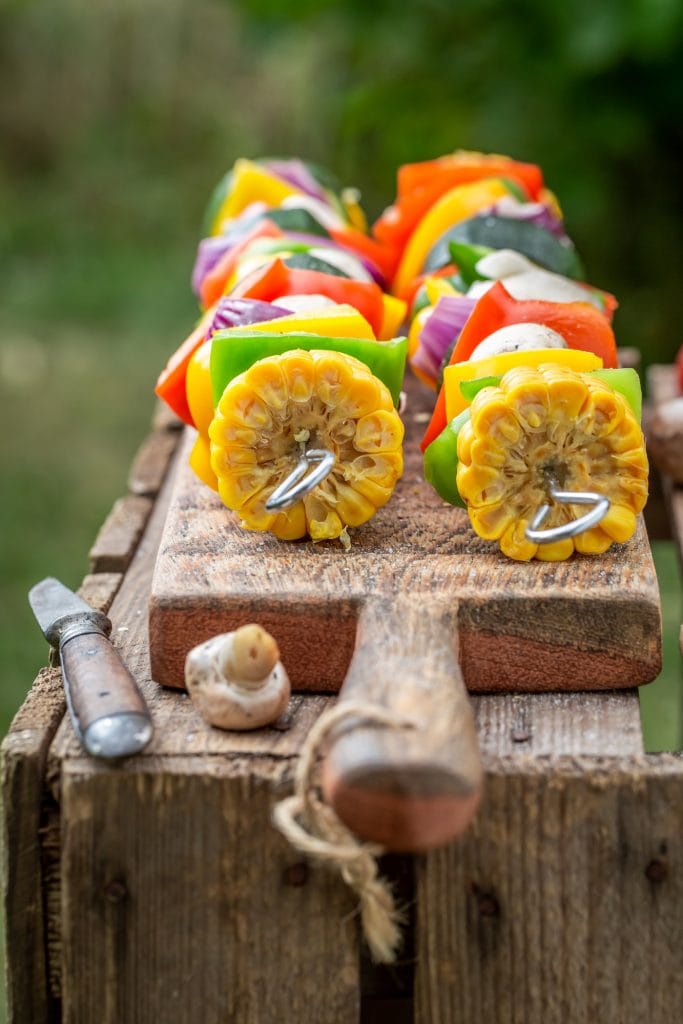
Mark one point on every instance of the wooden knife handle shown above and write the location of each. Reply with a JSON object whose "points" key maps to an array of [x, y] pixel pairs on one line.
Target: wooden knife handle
{"points": [[99, 687], [416, 788]]}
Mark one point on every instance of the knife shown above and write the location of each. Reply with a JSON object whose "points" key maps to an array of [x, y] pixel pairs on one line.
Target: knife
{"points": [[107, 710]]}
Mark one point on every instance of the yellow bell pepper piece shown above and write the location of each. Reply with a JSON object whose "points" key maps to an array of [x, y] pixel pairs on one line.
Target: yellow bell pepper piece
{"points": [[251, 183], [338, 321], [198, 388], [437, 288], [350, 198], [394, 315], [461, 203], [200, 462], [496, 366]]}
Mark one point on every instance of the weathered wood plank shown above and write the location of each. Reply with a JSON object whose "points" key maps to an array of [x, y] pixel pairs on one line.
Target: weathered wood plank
{"points": [[119, 535], [28, 859], [164, 418], [562, 903], [23, 758], [551, 725], [151, 462], [182, 903]]}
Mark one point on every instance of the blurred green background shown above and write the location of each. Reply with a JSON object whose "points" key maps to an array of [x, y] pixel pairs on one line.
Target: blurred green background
{"points": [[117, 118]]}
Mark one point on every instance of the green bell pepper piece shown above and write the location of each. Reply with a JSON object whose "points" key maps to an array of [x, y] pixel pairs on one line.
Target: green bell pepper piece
{"points": [[233, 352], [441, 460]]}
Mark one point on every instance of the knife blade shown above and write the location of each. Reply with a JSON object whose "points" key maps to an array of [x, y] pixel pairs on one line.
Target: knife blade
{"points": [[107, 709]]}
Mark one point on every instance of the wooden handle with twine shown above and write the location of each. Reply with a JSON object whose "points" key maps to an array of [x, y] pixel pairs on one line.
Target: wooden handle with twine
{"points": [[312, 827]]}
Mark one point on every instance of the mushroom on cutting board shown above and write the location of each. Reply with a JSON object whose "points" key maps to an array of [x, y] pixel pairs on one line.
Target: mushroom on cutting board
{"points": [[236, 680]]}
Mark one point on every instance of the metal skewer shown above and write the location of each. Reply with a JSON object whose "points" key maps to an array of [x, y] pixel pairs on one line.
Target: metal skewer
{"points": [[303, 479], [601, 504]]}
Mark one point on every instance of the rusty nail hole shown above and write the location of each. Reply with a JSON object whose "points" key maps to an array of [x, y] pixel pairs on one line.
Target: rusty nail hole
{"points": [[283, 723], [115, 891], [296, 874], [656, 871], [487, 903], [520, 735]]}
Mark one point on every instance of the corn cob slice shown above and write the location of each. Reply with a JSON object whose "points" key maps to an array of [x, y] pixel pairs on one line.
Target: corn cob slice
{"points": [[280, 406], [549, 423]]}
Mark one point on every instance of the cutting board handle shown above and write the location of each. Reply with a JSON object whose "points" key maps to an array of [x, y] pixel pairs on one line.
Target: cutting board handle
{"points": [[409, 789]]}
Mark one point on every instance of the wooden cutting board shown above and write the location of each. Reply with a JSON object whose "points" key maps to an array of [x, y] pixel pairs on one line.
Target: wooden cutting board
{"points": [[423, 603]]}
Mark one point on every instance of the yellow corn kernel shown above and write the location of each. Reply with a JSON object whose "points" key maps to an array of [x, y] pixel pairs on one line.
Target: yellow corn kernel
{"points": [[619, 523], [268, 382], [492, 521], [486, 452], [466, 437], [363, 397], [224, 432], [380, 431], [227, 457], [334, 379], [558, 551], [299, 374], [323, 522], [241, 406], [351, 506], [238, 488], [491, 416], [254, 515], [375, 492], [481, 485], [593, 542], [291, 524], [566, 395], [384, 468], [514, 543]]}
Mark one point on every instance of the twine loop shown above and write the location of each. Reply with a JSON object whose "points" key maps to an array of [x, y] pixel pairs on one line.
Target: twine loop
{"points": [[312, 827]]}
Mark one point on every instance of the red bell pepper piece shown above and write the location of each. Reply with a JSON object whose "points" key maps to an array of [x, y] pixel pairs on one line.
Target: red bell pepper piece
{"points": [[420, 185], [275, 280], [170, 386], [213, 284], [384, 257], [581, 325]]}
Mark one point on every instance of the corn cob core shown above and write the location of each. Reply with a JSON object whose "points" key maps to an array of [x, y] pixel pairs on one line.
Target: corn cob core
{"points": [[280, 406], [549, 423]]}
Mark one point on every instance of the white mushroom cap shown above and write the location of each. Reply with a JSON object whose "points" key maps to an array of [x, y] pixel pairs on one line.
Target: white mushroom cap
{"points": [[517, 338], [236, 680]]}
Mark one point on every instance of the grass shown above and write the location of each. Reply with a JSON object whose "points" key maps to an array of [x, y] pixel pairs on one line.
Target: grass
{"points": [[661, 703]]}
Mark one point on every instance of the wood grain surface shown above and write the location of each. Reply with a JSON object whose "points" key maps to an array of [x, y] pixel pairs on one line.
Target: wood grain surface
{"points": [[562, 904], [588, 623], [407, 788]]}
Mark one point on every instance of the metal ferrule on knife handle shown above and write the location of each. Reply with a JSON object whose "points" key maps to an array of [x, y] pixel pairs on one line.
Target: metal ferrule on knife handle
{"points": [[106, 706], [107, 710]]}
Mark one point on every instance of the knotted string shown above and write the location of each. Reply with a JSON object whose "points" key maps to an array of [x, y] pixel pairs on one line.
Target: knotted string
{"points": [[312, 827]]}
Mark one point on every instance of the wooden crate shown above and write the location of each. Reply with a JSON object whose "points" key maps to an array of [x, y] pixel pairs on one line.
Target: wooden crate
{"points": [[159, 891]]}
